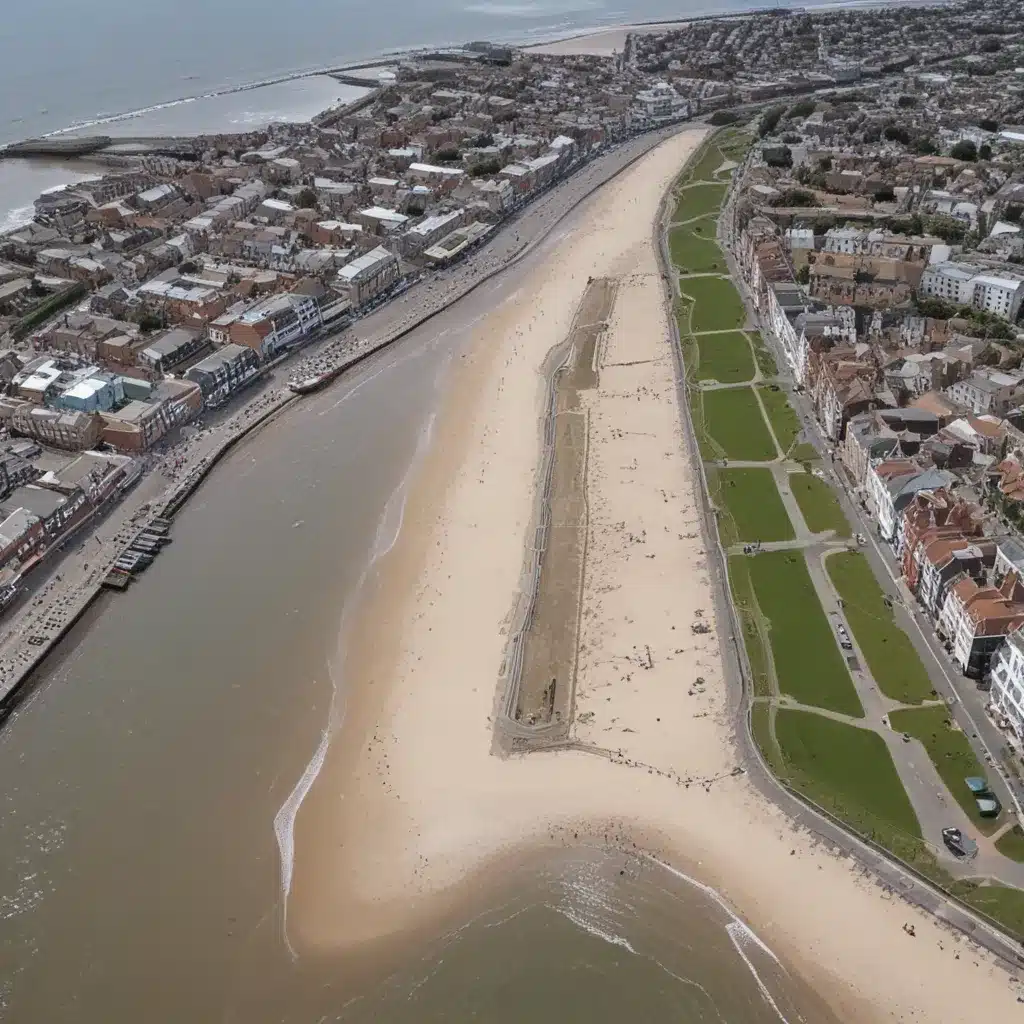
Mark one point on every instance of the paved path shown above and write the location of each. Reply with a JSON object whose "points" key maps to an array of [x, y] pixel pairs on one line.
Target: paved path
{"points": [[934, 805]]}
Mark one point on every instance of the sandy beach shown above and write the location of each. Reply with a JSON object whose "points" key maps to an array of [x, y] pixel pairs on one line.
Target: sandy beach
{"points": [[417, 800], [605, 42]]}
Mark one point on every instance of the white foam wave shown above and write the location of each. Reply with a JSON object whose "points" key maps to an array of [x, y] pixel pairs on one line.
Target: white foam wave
{"points": [[17, 218], [284, 820], [740, 934], [596, 930]]}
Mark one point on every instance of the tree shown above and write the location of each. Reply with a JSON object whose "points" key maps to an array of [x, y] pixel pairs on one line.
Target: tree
{"points": [[306, 199], [984, 151], [803, 275], [885, 194], [1013, 212], [779, 157], [895, 133], [769, 121], [721, 117], [150, 322], [965, 149], [448, 155], [988, 125], [906, 101], [925, 146], [802, 109]]}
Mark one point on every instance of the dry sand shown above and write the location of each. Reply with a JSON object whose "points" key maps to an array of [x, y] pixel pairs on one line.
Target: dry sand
{"points": [[598, 43], [413, 800]]}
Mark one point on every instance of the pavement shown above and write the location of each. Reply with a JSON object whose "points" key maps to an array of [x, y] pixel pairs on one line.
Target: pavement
{"points": [[934, 805], [876, 866]]}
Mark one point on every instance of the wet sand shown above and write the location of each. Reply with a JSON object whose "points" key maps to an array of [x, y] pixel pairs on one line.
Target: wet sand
{"points": [[411, 802]]}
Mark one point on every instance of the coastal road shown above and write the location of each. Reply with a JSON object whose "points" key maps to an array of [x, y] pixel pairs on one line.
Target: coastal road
{"points": [[876, 864]]}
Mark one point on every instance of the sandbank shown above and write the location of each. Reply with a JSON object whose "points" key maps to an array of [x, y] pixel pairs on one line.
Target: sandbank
{"points": [[413, 798]]}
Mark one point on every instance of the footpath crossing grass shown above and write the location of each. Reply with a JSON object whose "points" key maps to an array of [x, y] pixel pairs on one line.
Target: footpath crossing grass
{"points": [[714, 304], [819, 504], [694, 249], [749, 506], [765, 360], [724, 357], [730, 426], [891, 657], [808, 664], [951, 754], [783, 418], [849, 771], [698, 201]]}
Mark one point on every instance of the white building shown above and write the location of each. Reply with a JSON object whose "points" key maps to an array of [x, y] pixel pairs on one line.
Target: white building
{"points": [[848, 240], [989, 391], [366, 277], [431, 230], [1007, 677], [999, 294], [966, 284], [952, 282], [661, 103]]}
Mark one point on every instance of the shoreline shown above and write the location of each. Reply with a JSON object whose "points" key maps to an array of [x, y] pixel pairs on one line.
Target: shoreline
{"points": [[15, 690], [395, 819]]}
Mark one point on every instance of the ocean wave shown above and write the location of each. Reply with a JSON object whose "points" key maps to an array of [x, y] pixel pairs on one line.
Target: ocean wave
{"points": [[16, 218], [740, 933]]}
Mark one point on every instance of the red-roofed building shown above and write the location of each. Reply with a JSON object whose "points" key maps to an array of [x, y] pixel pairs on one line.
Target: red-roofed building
{"points": [[933, 515], [976, 618]]}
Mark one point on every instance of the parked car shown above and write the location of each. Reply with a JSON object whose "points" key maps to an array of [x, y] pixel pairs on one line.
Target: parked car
{"points": [[844, 638], [988, 804], [959, 844]]}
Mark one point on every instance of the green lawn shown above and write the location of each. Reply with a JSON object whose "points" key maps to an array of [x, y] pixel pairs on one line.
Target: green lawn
{"points": [[1001, 903], [761, 730], [698, 201], [808, 664], [723, 357], [694, 249], [730, 425], [715, 304], [804, 452], [749, 506], [849, 771], [951, 754], [765, 360], [704, 169], [753, 623], [891, 657], [819, 504], [782, 416], [1012, 844]]}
